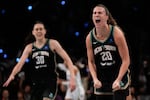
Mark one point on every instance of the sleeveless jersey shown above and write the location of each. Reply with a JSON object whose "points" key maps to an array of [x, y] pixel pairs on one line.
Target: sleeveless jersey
{"points": [[43, 63], [107, 60]]}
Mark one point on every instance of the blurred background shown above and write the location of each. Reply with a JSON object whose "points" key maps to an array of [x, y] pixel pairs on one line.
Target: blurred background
{"points": [[69, 21]]}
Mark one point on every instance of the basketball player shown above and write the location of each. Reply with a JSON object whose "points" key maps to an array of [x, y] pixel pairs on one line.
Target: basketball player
{"points": [[43, 70], [108, 56]]}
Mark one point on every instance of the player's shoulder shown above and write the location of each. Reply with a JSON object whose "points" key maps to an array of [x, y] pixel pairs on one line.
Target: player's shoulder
{"points": [[88, 36], [91, 31], [118, 32], [28, 48], [29, 45], [53, 41]]}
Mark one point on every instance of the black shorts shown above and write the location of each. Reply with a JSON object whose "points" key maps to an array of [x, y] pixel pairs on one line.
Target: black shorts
{"points": [[117, 95], [106, 92], [43, 89]]}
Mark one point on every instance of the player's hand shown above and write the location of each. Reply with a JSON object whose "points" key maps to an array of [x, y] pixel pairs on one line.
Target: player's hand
{"points": [[116, 85], [97, 84], [11, 77], [72, 84]]}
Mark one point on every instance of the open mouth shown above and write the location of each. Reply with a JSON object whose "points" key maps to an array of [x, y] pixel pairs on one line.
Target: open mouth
{"points": [[97, 21]]}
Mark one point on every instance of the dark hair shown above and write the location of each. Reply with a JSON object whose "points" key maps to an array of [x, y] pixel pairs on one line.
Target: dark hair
{"points": [[30, 38], [38, 22], [111, 20]]}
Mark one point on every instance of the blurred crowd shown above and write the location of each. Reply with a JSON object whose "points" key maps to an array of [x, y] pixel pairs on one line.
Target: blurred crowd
{"points": [[20, 88]]}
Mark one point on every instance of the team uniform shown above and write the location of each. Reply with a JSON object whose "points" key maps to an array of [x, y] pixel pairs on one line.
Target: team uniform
{"points": [[43, 73], [79, 92], [108, 62]]}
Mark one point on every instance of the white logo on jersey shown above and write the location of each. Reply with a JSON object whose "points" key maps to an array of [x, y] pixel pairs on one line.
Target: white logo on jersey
{"points": [[94, 42], [40, 66], [33, 49], [103, 64]]}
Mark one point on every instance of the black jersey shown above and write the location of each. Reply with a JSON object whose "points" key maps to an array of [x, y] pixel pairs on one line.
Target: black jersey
{"points": [[107, 59], [43, 63]]}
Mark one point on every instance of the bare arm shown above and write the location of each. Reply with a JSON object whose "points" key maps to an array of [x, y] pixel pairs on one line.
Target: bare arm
{"points": [[19, 65], [124, 53], [63, 54], [91, 64]]}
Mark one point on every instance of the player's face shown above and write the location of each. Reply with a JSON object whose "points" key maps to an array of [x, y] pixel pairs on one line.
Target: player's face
{"points": [[99, 16], [39, 31]]}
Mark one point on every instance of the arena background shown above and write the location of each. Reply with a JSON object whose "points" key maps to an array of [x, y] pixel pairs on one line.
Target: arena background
{"points": [[69, 21]]}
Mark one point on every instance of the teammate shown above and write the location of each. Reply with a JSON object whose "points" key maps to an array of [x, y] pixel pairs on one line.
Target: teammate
{"points": [[43, 70]]}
